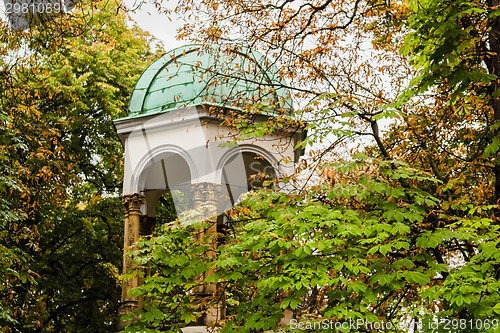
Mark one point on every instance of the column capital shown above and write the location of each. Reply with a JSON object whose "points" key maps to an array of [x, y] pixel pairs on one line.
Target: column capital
{"points": [[206, 193], [133, 201]]}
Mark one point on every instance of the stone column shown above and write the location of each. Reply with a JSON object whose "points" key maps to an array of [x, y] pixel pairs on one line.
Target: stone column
{"points": [[205, 200], [206, 197], [132, 209]]}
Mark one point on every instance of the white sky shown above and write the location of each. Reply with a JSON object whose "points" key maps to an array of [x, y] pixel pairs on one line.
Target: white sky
{"points": [[162, 26]]}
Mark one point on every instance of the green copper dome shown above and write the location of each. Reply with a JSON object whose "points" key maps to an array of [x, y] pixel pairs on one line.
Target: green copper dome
{"points": [[191, 75]]}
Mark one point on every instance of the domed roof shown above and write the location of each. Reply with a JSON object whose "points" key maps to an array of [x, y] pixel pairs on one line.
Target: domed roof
{"points": [[192, 75]]}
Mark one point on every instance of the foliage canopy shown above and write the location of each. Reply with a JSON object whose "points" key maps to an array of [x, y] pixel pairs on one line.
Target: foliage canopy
{"points": [[61, 223], [402, 228]]}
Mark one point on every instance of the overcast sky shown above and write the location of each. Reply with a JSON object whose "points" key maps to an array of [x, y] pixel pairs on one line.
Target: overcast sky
{"points": [[159, 25]]}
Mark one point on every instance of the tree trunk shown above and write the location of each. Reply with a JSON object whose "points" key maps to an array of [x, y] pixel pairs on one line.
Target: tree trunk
{"points": [[494, 68]]}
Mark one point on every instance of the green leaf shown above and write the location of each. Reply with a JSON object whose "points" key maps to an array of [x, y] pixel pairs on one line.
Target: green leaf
{"points": [[417, 277]]}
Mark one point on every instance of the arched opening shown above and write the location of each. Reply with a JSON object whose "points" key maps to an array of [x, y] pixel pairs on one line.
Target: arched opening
{"points": [[167, 185], [245, 171]]}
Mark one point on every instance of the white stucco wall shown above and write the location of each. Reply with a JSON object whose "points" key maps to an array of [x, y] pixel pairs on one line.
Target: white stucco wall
{"points": [[189, 134]]}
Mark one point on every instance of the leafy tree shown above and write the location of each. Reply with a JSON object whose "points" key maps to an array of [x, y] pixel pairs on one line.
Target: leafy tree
{"points": [[61, 228], [405, 233], [345, 252], [455, 49]]}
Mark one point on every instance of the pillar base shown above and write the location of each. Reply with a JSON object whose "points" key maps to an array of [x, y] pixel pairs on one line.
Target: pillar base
{"points": [[194, 329], [126, 307]]}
